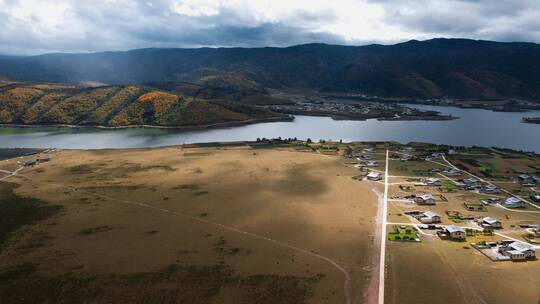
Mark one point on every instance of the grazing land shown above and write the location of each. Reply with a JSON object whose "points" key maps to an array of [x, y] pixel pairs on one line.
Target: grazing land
{"points": [[225, 224], [272, 221]]}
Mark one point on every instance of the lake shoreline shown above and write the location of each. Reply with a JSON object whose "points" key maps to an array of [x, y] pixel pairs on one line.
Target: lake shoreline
{"points": [[180, 128], [474, 128]]}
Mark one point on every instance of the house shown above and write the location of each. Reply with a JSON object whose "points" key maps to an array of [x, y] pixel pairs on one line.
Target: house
{"points": [[437, 154], [513, 202], [459, 185], [44, 159], [405, 158], [455, 232], [372, 163], [525, 179], [369, 150], [490, 222], [452, 172], [426, 199], [429, 217], [490, 188], [373, 176], [518, 251], [407, 149], [29, 163], [452, 152], [432, 182], [471, 183]]}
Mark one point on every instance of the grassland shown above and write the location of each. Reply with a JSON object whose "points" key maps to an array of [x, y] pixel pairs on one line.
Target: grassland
{"points": [[192, 225], [116, 106]]}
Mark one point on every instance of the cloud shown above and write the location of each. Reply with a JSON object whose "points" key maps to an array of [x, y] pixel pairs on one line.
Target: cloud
{"points": [[39, 26]]}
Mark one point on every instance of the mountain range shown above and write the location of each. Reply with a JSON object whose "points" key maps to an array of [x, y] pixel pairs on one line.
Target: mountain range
{"points": [[455, 68]]}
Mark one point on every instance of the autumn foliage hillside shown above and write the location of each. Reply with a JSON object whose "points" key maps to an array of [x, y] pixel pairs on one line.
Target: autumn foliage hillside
{"points": [[114, 106]]}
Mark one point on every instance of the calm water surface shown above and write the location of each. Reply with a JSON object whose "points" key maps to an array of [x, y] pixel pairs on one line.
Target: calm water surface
{"points": [[476, 127]]}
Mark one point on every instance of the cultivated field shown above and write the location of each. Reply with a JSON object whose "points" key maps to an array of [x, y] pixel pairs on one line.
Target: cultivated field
{"points": [[189, 225]]}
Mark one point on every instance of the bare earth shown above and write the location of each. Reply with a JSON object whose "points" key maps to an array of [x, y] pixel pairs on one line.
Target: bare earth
{"points": [[198, 225]]}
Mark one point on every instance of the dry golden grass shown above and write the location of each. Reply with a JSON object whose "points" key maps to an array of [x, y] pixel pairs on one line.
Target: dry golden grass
{"points": [[304, 200]]}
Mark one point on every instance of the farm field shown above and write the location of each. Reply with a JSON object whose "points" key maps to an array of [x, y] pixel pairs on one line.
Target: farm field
{"points": [[191, 225]]}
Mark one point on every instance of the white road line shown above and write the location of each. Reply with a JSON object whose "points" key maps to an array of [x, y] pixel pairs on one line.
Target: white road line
{"points": [[10, 174], [382, 264]]}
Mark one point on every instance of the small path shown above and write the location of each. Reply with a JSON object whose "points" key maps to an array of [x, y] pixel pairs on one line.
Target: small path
{"points": [[334, 263], [516, 210], [10, 173]]}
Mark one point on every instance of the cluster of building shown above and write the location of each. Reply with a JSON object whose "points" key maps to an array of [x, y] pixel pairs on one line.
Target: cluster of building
{"points": [[337, 108], [31, 163], [527, 180]]}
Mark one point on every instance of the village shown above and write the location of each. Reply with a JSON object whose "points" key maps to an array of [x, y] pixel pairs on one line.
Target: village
{"points": [[429, 197], [358, 110]]}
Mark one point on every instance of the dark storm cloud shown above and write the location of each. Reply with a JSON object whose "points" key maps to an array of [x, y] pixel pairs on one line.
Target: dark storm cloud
{"points": [[38, 26], [504, 20]]}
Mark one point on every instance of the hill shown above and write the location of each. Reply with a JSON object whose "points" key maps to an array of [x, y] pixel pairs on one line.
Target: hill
{"points": [[456, 68], [121, 105]]}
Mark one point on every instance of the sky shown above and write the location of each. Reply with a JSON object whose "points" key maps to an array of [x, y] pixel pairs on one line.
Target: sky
{"points": [[43, 26]]}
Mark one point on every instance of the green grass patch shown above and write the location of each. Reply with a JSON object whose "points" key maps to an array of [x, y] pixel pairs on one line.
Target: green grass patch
{"points": [[475, 206], [403, 234], [448, 186]]}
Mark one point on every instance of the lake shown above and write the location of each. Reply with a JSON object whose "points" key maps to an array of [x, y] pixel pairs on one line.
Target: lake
{"points": [[475, 127]]}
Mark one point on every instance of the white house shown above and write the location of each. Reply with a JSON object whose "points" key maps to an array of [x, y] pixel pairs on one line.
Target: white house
{"points": [[490, 188], [373, 176], [518, 251], [426, 199], [513, 202], [490, 222], [372, 163], [455, 232], [432, 182], [452, 172], [429, 217]]}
